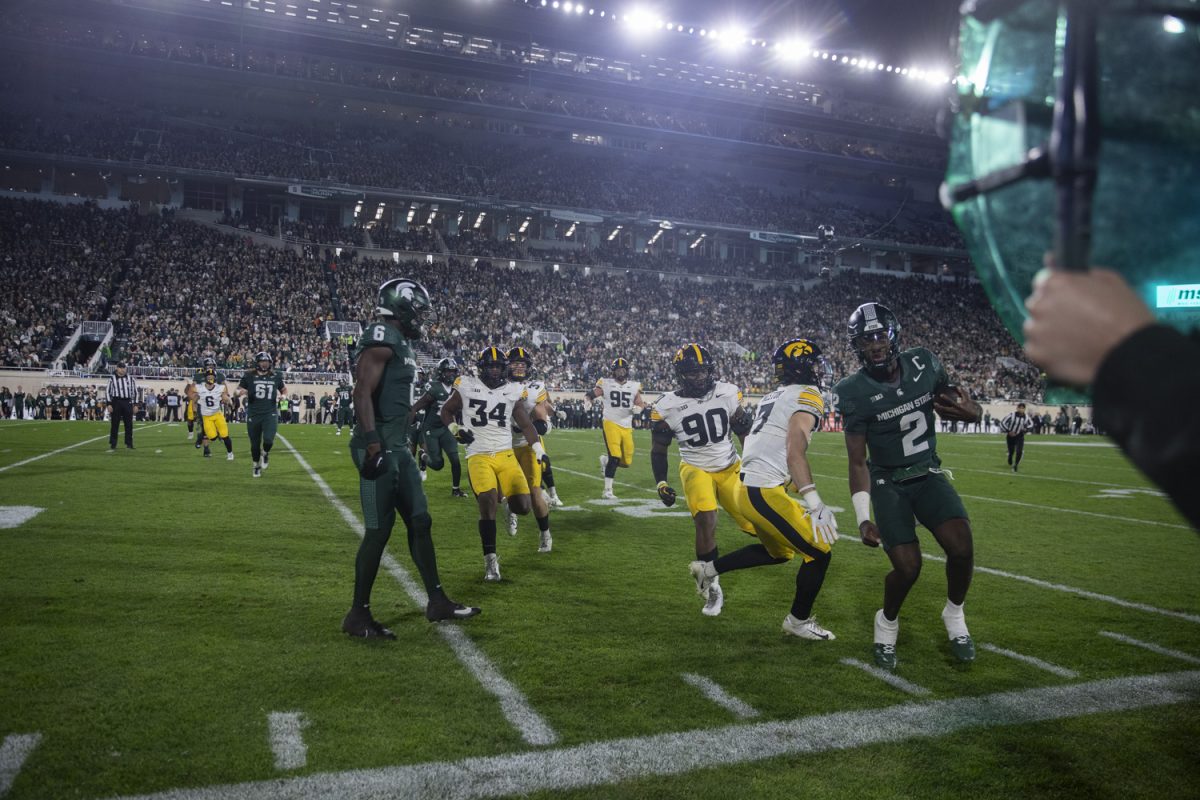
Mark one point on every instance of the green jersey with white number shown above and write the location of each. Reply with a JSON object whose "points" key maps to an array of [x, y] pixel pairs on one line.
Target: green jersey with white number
{"points": [[896, 419], [440, 393], [344, 397], [393, 396], [262, 392]]}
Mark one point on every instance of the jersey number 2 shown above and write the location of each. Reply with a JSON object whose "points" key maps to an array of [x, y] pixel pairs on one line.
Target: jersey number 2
{"points": [[915, 421]]}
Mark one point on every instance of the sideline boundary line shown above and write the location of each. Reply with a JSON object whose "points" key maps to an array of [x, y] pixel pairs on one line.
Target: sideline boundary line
{"points": [[71, 447], [516, 709], [607, 763]]}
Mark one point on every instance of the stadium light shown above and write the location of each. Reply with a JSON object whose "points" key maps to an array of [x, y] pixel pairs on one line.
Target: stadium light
{"points": [[1172, 24], [792, 50]]}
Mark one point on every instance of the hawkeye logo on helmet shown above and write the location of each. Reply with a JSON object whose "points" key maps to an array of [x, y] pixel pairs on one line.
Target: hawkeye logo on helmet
{"points": [[798, 349]]}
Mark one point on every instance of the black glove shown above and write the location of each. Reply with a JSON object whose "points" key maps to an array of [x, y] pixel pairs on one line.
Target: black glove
{"points": [[465, 436], [541, 427], [666, 494], [373, 466]]}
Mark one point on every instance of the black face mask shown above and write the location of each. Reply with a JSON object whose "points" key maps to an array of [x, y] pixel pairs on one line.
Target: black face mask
{"points": [[1097, 102]]}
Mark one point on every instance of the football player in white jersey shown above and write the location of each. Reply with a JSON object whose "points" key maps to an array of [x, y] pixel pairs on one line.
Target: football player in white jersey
{"points": [[622, 399], [537, 406], [490, 406], [702, 414], [211, 398], [774, 456]]}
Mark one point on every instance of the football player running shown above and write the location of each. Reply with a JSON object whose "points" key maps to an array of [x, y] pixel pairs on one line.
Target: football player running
{"points": [[439, 442], [388, 482], [702, 414], [489, 406], [262, 387], [776, 454], [416, 425], [622, 399], [211, 396], [537, 406], [887, 410]]}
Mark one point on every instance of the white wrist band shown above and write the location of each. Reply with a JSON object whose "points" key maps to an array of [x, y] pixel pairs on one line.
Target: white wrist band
{"points": [[862, 506], [811, 499]]}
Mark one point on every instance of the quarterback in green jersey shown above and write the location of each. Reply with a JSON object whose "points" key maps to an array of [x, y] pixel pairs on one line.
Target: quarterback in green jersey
{"points": [[385, 368], [887, 414]]}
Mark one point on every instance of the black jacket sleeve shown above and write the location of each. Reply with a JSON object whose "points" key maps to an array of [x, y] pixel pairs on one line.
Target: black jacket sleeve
{"points": [[1147, 397]]}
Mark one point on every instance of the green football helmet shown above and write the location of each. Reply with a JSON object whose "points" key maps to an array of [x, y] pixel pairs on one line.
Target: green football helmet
{"points": [[407, 302]]}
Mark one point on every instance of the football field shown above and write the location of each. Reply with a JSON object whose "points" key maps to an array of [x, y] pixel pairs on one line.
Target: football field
{"points": [[169, 628]]}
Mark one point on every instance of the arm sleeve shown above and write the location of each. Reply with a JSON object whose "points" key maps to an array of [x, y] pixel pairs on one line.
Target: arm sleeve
{"points": [[1145, 398]]}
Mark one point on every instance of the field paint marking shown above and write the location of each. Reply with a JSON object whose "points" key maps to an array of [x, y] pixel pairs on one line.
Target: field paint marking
{"points": [[1062, 672], [1062, 587], [889, 678], [516, 708], [1153, 648], [287, 740], [71, 447], [13, 752], [16, 516], [611, 762], [600, 478], [724, 699]]}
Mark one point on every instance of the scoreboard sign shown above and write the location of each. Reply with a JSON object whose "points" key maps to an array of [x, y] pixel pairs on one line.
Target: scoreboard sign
{"points": [[1183, 296]]}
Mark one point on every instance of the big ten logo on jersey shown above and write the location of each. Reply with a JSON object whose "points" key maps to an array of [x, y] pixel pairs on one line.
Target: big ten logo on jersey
{"points": [[480, 415], [639, 508], [619, 399]]}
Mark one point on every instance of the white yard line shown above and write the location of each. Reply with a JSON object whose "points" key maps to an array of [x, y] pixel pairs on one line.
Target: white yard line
{"points": [[724, 699], [890, 678], [70, 447], [532, 727], [616, 761], [1062, 672], [1153, 648], [1061, 587], [13, 752], [285, 730]]}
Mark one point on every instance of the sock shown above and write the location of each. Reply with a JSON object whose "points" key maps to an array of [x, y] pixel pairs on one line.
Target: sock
{"points": [[420, 546], [455, 472], [366, 563], [207, 451], [886, 630], [228, 444], [487, 535], [610, 469], [808, 586], [543, 523], [955, 620], [608, 484], [711, 555], [548, 479], [752, 555]]}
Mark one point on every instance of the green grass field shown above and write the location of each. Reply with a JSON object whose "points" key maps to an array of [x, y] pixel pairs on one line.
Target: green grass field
{"points": [[162, 606]]}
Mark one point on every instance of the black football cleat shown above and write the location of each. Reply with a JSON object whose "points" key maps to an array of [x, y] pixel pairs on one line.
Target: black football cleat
{"points": [[456, 492], [359, 622], [445, 608]]}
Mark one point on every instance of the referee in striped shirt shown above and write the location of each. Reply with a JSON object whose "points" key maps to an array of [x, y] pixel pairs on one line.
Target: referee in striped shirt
{"points": [[122, 390], [1015, 425]]}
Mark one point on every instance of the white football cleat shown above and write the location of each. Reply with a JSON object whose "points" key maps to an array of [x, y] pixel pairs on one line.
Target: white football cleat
{"points": [[257, 471], [806, 628], [266, 460], [704, 574], [555, 502], [715, 601], [512, 524], [424, 477], [339, 431], [547, 542], [491, 567], [229, 456], [607, 494]]}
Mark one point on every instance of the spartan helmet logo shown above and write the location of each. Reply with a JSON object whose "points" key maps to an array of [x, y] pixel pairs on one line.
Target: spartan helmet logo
{"points": [[406, 291]]}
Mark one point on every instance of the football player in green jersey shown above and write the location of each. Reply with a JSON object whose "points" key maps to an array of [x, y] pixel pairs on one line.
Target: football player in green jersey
{"points": [[261, 387], [345, 415], [440, 444], [887, 410], [388, 480]]}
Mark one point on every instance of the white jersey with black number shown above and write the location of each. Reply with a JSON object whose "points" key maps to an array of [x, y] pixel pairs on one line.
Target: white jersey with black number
{"points": [[488, 413], [209, 399], [618, 400], [764, 458], [535, 392], [702, 425]]}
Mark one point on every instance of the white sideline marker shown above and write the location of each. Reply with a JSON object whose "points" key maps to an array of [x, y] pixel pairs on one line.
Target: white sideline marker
{"points": [[532, 727], [1153, 648], [724, 699], [1059, 587], [285, 731], [13, 752], [889, 678], [16, 516], [611, 762], [1062, 672]]}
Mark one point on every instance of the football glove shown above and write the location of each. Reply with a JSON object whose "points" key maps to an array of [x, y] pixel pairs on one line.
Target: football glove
{"points": [[464, 436], [373, 466], [824, 524], [539, 451], [541, 427], [666, 494]]}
